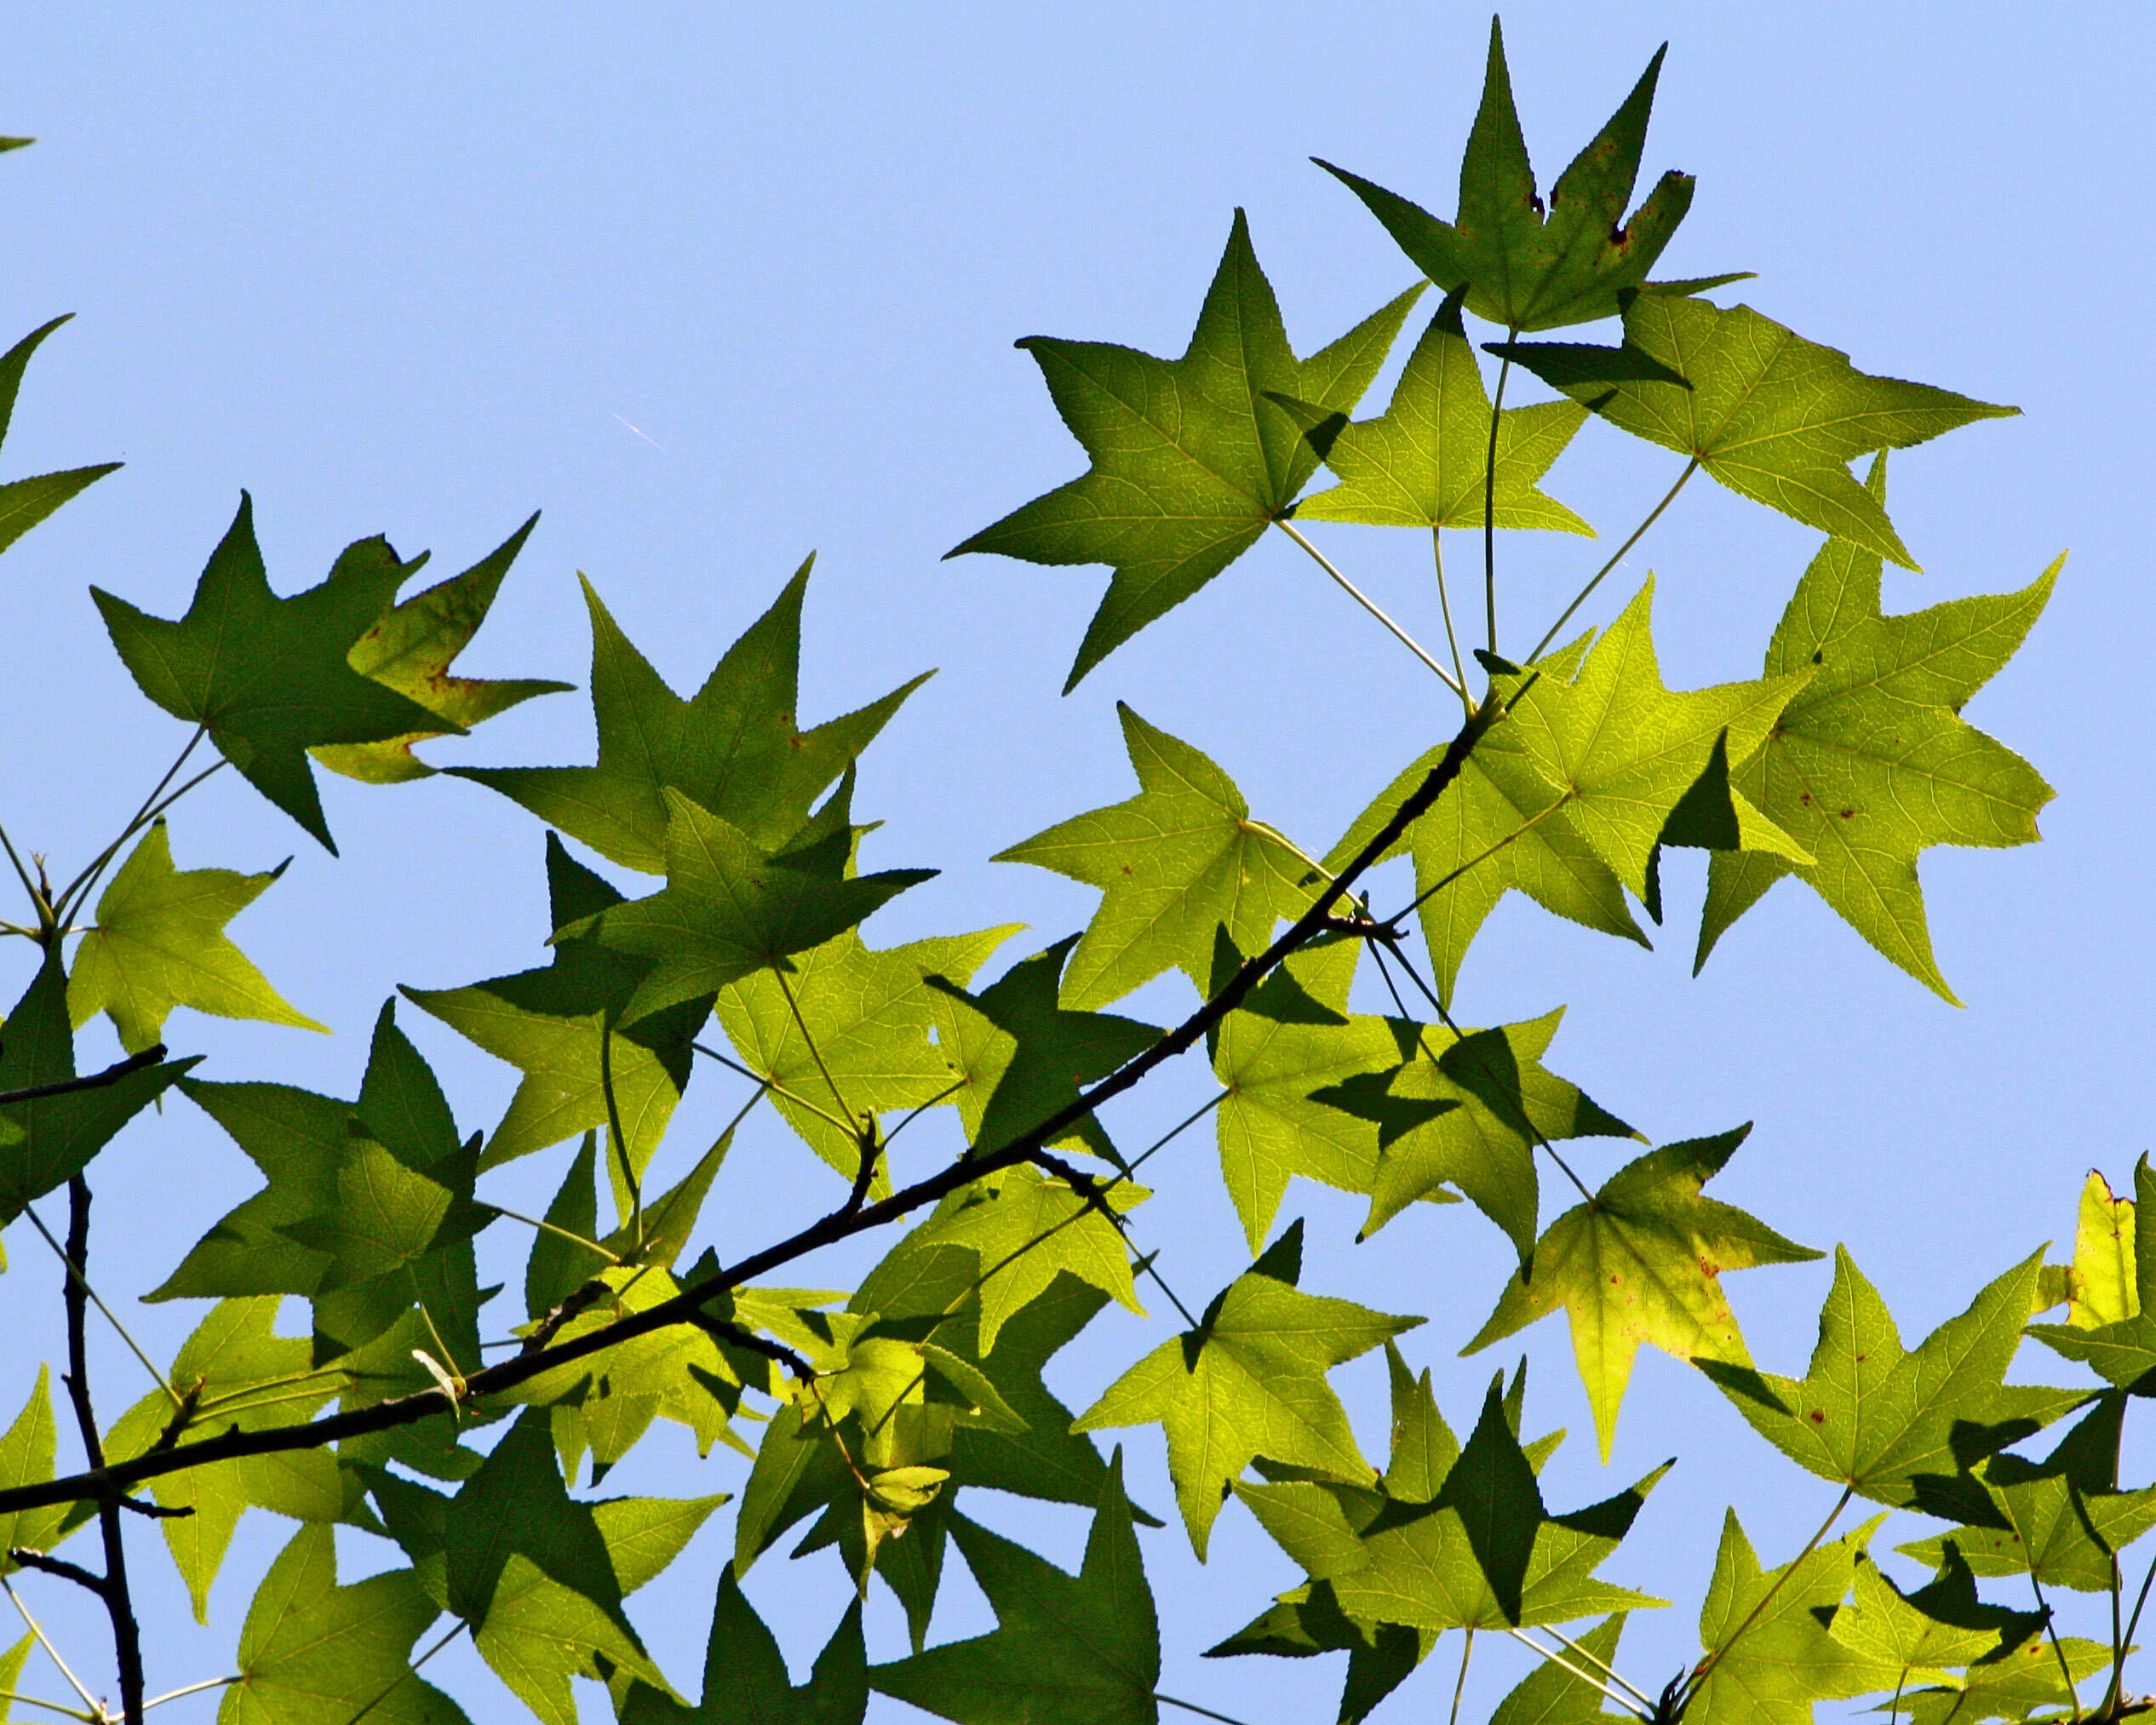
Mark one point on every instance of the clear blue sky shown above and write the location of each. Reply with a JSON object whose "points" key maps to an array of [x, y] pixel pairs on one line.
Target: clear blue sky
{"points": [[713, 286]]}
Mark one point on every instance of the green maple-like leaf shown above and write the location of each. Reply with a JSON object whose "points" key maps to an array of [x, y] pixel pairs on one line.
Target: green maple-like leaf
{"points": [[1191, 458], [410, 648], [269, 678], [1770, 1634], [313, 1652], [44, 1142], [26, 1452], [1898, 1426], [867, 1017], [539, 1576], [1921, 1634], [2018, 1685], [1774, 417], [1871, 762], [1019, 1055], [1523, 267], [1642, 1261], [1623, 751], [1456, 1538], [1307, 1621], [1423, 462], [24, 502], [159, 942], [244, 1377], [1249, 1381], [1024, 1228], [731, 908], [1066, 1650], [369, 1209], [745, 1680], [2060, 1520], [561, 1026], [2112, 1321], [1549, 1695], [1179, 861], [734, 747]]}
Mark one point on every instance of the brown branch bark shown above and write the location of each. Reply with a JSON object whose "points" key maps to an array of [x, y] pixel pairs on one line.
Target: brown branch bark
{"points": [[96, 1081], [849, 1219]]}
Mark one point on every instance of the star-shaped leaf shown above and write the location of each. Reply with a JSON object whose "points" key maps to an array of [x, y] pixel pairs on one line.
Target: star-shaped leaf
{"points": [[1922, 1634], [270, 678], [411, 650], [1642, 1261], [537, 1575], [24, 502], [1523, 267], [1192, 459], [745, 1680], [734, 747], [561, 1026], [159, 942], [1179, 861], [1022, 1055], [1899, 1425], [2060, 1520], [1423, 462], [1249, 1381], [1774, 417], [1623, 751], [1480, 1551], [1308, 1620], [313, 1652], [1066, 1650], [44, 1142], [1768, 1634], [2112, 1321], [2019, 1684], [1871, 762], [731, 908], [868, 1016], [243, 1377]]}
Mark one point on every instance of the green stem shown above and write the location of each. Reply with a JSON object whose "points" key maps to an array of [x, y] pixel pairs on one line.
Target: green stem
{"points": [[52, 1653], [1616, 556], [1565, 1664], [45, 922], [1193, 1707], [1705, 1666], [941, 1096], [1445, 607], [1481, 857], [567, 1234], [147, 812], [1460, 1683], [14, 1699], [1490, 496], [777, 1089], [405, 1675], [1600, 1664], [1370, 605], [2133, 1622], [75, 1274], [192, 1689], [837, 1096], [2051, 1631]]}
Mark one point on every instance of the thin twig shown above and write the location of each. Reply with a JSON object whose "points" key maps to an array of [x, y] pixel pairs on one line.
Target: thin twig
{"points": [[1564, 1664], [29, 1558], [52, 1653], [95, 1080], [542, 1355], [1371, 605], [75, 1273], [741, 1336]]}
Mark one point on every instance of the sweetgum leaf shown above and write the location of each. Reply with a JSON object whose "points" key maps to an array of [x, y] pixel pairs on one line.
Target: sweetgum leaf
{"points": [[2112, 1323], [1179, 861], [1642, 1261], [1522, 266], [44, 1142], [1770, 1633], [1871, 763], [269, 678], [551, 1023], [313, 1652], [247, 1378], [24, 502], [26, 1452], [1774, 417], [1896, 1425], [734, 747], [1192, 458], [867, 1015], [1066, 1650], [159, 942], [745, 1680], [1424, 462], [1921, 1634], [1551, 1695], [1249, 1381], [731, 908], [410, 648]]}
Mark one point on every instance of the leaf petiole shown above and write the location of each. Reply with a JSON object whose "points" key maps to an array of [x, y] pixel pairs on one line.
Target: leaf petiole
{"points": [[1588, 1677], [76, 1276], [1616, 556], [1489, 498], [1371, 605]]}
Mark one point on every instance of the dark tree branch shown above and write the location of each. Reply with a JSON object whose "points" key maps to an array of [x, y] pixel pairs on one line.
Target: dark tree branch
{"points": [[112, 1587], [95, 1080], [740, 1335], [29, 1559], [540, 1353]]}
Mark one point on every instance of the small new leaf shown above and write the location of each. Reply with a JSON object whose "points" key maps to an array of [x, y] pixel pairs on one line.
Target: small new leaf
{"points": [[24, 502], [159, 942]]}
